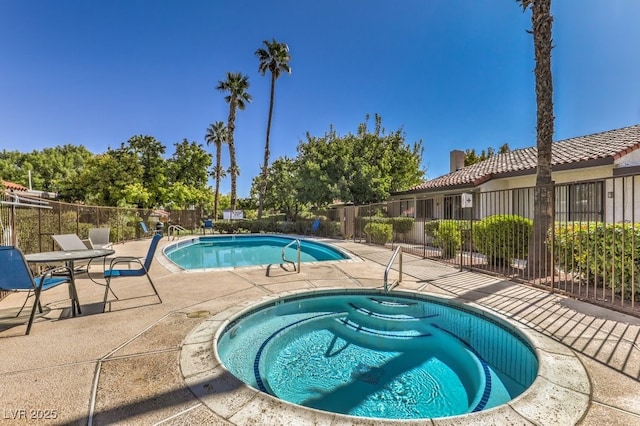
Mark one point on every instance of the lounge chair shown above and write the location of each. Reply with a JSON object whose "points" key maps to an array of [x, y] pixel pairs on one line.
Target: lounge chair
{"points": [[16, 276], [99, 238], [71, 242], [112, 272], [68, 242]]}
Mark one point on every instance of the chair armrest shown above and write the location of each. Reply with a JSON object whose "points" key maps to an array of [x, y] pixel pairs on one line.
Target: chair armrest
{"points": [[53, 271], [124, 259]]}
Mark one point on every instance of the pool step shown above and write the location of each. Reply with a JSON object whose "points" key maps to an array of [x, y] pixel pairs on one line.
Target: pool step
{"points": [[377, 339], [382, 305], [385, 322]]}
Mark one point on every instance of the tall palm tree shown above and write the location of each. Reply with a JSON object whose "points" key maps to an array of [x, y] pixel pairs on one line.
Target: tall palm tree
{"points": [[539, 256], [274, 57], [217, 134], [236, 86]]}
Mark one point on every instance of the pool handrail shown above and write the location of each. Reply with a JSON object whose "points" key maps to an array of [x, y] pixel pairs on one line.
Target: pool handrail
{"points": [[173, 230], [297, 241], [386, 270]]}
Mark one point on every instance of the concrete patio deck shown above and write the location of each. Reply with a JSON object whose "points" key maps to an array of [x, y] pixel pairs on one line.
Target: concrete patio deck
{"points": [[127, 366]]}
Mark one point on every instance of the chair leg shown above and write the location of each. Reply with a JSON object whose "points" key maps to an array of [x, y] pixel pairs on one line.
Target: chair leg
{"points": [[24, 304], [36, 303], [106, 293], [153, 287]]}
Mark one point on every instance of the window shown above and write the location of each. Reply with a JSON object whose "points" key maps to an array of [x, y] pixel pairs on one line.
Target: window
{"points": [[406, 208], [424, 209], [580, 202], [522, 202], [453, 207]]}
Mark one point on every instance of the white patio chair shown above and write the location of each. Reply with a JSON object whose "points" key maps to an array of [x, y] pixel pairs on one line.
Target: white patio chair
{"points": [[99, 238]]}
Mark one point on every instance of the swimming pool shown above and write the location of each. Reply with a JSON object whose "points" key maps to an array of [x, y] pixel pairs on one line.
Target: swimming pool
{"points": [[374, 354], [230, 251]]}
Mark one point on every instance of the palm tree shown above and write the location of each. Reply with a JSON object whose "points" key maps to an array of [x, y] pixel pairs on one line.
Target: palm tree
{"points": [[217, 134], [541, 20], [236, 85], [274, 58]]}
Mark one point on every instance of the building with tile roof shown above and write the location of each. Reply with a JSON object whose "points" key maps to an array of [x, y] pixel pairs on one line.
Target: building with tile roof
{"points": [[10, 186], [585, 167]]}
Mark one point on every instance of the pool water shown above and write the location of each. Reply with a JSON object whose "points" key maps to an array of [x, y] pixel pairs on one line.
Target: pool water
{"points": [[246, 250], [378, 356]]}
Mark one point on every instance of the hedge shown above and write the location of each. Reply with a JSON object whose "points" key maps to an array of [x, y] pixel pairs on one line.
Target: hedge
{"points": [[600, 253], [447, 236], [300, 227], [378, 233], [400, 225], [431, 228], [502, 238]]}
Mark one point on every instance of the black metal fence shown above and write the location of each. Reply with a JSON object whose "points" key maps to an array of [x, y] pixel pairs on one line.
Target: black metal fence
{"points": [[591, 252], [30, 223]]}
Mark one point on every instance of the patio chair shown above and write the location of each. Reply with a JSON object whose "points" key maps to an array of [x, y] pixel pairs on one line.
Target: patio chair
{"points": [[208, 224], [315, 226], [70, 242], [146, 232], [99, 238], [112, 272], [16, 276]]}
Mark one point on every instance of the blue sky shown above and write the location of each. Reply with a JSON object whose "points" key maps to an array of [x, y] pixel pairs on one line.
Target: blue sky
{"points": [[456, 74]]}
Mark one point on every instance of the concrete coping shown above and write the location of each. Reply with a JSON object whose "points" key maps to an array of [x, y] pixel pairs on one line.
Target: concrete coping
{"points": [[560, 394]]}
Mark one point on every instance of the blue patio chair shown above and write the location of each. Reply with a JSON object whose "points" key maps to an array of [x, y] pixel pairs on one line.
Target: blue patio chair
{"points": [[16, 276], [112, 272], [315, 226], [208, 224], [146, 232]]}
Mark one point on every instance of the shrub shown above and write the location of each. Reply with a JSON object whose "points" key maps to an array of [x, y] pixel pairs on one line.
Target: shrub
{"points": [[362, 221], [269, 225], [601, 253], [378, 233], [402, 225], [502, 238], [447, 236], [431, 227]]}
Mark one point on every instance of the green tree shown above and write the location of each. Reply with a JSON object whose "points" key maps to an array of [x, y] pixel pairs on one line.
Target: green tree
{"points": [[236, 86], [282, 188], [109, 179], [182, 196], [150, 155], [10, 169], [274, 57], [542, 21], [50, 168], [217, 134], [361, 168], [189, 164], [188, 176], [471, 157], [136, 173]]}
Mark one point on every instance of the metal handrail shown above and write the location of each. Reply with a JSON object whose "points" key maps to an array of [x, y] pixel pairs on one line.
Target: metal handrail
{"points": [[297, 241], [386, 270], [171, 231]]}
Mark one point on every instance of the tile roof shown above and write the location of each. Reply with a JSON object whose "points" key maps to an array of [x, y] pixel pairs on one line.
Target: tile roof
{"points": [[611, 144], [14, 186]]}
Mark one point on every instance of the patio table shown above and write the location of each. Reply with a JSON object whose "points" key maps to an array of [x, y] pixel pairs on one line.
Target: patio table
{"points": [[69, 257]]}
